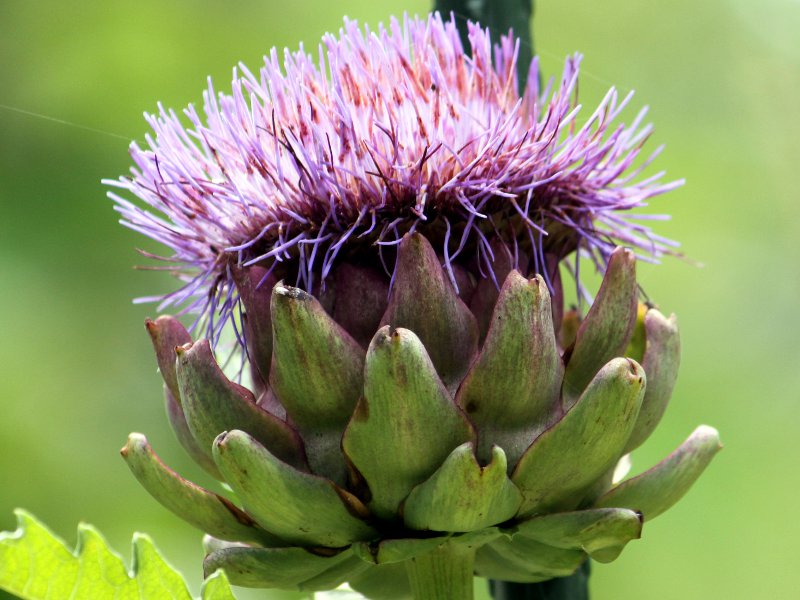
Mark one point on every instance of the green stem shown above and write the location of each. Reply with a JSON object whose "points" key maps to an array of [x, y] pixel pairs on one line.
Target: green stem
{"points": [[444, 574], [574, 587]]}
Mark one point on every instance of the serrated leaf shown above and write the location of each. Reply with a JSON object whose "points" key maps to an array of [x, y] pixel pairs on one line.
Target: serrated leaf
{"points": [[37, 565], [216, 587]]}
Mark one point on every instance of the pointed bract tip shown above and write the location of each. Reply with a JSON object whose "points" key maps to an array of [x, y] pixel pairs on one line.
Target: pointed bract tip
{"points": [[634, 367], [222, 438], [624, 258], [135, 440], [707, 432], [183, 349], [627, 253]]}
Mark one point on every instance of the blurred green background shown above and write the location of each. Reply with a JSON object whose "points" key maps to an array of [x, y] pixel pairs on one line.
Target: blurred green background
{"points": [[722, 78]]}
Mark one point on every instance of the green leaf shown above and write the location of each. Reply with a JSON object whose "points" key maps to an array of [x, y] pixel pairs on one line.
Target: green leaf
{"points": [[216, 587], [36, 565], [177, 419]]}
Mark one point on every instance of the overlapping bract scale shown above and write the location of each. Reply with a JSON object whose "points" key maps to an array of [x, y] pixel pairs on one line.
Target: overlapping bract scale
{"points": [[491, 421]]}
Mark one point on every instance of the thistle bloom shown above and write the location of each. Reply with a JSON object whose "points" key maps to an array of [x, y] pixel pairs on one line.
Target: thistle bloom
{"points": [[391, 132], [388, 233]]}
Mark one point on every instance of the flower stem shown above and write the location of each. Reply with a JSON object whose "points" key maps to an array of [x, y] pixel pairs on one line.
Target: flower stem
{"points": [[443, 574]]}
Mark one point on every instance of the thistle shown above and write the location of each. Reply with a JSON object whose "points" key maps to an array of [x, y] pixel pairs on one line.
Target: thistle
{"points": [[386, 231]]}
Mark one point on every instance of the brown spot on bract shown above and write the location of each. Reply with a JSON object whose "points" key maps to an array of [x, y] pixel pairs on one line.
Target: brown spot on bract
{"points": [[239, 515]]}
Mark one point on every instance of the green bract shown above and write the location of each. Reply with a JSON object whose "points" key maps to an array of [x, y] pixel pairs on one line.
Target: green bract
{"points": [[384, 430]]}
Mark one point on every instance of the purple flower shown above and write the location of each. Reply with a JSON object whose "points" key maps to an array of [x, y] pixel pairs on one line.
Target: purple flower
{"points": [[305, 163], [384, 230]]}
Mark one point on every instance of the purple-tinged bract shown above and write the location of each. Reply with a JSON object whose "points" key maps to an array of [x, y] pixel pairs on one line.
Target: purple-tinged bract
{"points": [[305, 163]]}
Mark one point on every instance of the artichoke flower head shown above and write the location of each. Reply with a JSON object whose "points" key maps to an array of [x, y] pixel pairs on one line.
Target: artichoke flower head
{"points": [[386, 230]]}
